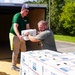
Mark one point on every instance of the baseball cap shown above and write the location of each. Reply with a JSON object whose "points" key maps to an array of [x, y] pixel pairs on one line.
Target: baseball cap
{"points": [[25, 6]]}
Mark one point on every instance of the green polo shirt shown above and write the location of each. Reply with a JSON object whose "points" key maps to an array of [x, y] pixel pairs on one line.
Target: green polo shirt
{"points": [[17, 18]]}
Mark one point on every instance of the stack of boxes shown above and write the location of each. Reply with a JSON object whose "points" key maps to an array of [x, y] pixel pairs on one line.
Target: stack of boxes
{"points": [[46, 62]]}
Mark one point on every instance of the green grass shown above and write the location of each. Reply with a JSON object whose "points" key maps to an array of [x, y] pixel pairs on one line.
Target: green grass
{"points": [[65, 38]]}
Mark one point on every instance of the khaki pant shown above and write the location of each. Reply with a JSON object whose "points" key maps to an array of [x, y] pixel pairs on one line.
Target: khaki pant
{"points": [[17, 47]]}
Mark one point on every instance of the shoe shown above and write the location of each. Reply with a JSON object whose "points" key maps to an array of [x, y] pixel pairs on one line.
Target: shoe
{"points": [[15, 68]]}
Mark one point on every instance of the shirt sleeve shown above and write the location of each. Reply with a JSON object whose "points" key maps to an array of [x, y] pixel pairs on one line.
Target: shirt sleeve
{"points": [[42, 35], [16, 19]]}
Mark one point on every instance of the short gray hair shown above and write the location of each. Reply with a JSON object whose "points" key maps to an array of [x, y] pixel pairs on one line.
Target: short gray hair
{"points": [[42, 22]]}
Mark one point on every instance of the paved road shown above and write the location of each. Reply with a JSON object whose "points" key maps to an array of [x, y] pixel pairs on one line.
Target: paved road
{"points": [[65, 46]]}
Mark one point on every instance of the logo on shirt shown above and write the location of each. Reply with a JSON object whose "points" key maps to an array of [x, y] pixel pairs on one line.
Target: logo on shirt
{"points": [[25, 20]]}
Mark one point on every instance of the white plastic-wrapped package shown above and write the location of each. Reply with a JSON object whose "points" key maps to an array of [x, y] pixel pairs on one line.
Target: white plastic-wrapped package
{"points": [[31, 32]]}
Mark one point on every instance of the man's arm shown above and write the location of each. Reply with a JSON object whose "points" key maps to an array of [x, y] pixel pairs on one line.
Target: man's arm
{"points": [[33, 39], [17, 32], [16, 29]]}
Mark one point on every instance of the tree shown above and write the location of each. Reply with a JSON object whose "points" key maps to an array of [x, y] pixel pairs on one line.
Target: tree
{"points": [[67, 18], [55, 11]]}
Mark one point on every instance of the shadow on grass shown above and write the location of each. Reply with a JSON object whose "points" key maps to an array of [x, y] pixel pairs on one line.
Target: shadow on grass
{"points": [[3, 73]]}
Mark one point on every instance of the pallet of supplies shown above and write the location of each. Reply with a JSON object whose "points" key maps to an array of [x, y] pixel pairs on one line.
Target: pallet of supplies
{"points": [[46, 62]]}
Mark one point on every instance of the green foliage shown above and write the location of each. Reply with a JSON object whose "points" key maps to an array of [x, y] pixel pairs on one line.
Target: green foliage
{"points": [[42, 1], [67, 18], [31, 2], [55, 11]]}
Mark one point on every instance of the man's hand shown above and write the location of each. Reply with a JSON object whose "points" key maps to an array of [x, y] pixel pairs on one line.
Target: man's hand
{"points": [[26, 33], [21, 38]]}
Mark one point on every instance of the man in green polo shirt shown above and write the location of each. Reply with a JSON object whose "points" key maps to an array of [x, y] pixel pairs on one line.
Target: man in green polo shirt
{"points": [[19, 23]]}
